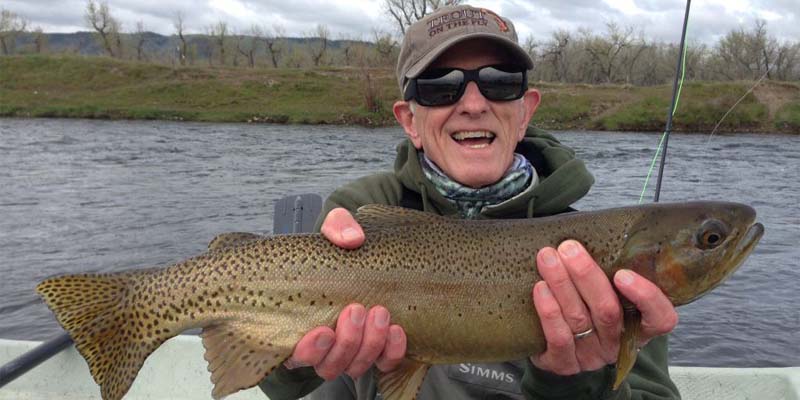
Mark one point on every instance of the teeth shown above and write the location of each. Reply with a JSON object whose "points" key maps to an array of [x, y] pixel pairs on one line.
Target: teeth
{"points": [[473, 135]]}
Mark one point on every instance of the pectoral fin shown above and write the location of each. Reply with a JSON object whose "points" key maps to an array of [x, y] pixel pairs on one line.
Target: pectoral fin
{"points": [[404, 382], [629, 342]]}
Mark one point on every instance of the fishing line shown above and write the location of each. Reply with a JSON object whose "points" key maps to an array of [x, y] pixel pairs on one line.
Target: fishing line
{"points": [[736, 104], [677, 87]]}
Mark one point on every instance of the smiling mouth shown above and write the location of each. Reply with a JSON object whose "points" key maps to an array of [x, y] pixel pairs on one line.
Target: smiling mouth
{"points": [[474, 139]]}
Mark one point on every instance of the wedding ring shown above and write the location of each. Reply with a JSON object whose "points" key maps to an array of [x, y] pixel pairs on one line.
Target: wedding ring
{"points": [[579, 336]]}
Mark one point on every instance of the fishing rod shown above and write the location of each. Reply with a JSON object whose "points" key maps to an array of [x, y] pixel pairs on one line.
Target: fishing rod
{"points": [[677, 85]]}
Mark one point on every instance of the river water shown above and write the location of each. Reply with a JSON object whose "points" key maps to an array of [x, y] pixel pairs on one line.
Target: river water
{"points": [[101, 196]]}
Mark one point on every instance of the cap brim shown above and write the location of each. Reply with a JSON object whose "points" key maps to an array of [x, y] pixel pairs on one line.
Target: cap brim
{"points": [[432, 55]]}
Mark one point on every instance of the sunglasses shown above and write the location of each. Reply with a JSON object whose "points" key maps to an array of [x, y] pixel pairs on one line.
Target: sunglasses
{"points": [[445, 86]]}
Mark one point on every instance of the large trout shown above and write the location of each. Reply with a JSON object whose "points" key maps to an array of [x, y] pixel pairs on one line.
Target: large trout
{"points": [[255, 297]]}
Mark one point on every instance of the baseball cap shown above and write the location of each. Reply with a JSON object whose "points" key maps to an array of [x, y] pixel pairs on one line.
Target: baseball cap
{"points": [[428, 38]]}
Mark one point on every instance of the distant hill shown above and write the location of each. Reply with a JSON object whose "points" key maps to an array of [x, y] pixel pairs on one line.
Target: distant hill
{"points": [[156, 45]]}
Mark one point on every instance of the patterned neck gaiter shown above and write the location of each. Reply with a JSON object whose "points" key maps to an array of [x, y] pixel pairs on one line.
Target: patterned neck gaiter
{"points": [[470, 201]]}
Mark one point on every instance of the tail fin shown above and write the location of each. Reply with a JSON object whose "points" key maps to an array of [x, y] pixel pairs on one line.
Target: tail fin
{"points": [[113, 336]]}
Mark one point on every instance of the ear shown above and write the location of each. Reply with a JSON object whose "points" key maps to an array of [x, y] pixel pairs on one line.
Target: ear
{"points": [[404, 116], [530, 102]]}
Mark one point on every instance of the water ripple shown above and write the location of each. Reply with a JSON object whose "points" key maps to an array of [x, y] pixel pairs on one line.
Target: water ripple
{"points": [[103, 196]]}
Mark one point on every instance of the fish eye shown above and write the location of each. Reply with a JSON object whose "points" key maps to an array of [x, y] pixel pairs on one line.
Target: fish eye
{"points": [[711, 234]]}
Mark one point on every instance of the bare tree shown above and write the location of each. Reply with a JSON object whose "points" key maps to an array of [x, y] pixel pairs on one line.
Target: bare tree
{"points": [[295, 58], [386, 46], [177, 22], [39, 41], [633, 50], [247, 45], [406, 12], [274, 43], [743, 54], [787, 58], [764, 46], [117, 36], [11, 25], [348, 45], [319, 44], [219, 34], [99, 18], [140, 37], [555, 53], [530, 45], [605, 51]]}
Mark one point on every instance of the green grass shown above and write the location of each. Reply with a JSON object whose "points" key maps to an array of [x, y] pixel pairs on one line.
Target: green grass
{"points": [[788, 118], [647, 114], [565, 109], [99, 87], [709, 102]]}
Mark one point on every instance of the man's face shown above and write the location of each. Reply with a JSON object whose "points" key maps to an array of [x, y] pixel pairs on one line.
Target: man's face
{"points": [[473, 140]]}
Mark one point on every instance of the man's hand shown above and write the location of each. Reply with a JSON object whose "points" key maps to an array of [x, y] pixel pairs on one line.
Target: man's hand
{"points": [[576, 296], [362, 337]]}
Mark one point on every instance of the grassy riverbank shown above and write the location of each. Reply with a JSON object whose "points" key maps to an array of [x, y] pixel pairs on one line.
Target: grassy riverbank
{"points": [[77, 87]]}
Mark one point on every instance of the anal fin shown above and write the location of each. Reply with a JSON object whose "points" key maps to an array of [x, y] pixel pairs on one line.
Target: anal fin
{"points": [[629, 341], [402, 383], [241, 354]]}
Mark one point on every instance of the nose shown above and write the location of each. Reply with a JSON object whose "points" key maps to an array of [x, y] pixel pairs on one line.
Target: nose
{"points": [[472, 102]]}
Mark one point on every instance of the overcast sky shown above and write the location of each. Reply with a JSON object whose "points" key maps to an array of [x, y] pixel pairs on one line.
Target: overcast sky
{"points": [[659, 19]]}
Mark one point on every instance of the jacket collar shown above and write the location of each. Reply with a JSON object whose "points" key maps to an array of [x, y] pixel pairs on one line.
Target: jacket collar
{"points": [[563, 179]]}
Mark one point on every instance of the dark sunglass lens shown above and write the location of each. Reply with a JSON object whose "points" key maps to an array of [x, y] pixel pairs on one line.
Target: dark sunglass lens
{"points": [[497, 84], [440, 88]]}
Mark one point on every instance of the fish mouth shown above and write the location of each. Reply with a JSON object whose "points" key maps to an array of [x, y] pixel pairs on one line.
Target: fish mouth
{"points": [[749, 240], [746, 244]]}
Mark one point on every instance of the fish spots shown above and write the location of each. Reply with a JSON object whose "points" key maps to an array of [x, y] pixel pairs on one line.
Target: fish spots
{"points": [[219, 283]]}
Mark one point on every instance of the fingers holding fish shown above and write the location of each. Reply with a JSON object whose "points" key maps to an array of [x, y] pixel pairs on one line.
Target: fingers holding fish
{"points": [[349, 332], [312, 348], [582, 321], [559, 356], [376, 332], [558, 280], [596, 292], [395, 349], [658, 314], [341, 228], [358, 342]]}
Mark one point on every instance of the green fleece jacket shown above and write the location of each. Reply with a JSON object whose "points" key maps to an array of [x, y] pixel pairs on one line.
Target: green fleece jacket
{"points": [[563, 179]]}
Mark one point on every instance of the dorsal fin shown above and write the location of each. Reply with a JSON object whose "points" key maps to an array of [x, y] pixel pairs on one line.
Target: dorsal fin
{"points": [[379, 215], [232, 239]]}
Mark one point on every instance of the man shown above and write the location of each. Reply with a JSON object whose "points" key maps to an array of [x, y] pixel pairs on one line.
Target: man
{"points": [[465, 109]]}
